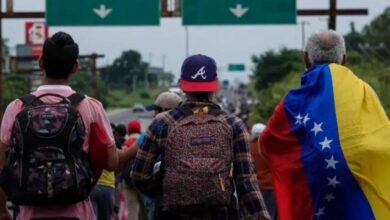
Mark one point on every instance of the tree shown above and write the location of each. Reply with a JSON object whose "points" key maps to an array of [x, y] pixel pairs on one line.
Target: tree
{"points": [[354, 40], [126, 71], [377, 33], [81, 82], [373, 43], [272, 66]]}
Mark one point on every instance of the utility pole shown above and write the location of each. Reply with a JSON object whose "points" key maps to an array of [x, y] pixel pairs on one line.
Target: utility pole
{"points": [[164, 59], [187, 42], [94, 76], [303, 24], [93, 64], [146, 71]]}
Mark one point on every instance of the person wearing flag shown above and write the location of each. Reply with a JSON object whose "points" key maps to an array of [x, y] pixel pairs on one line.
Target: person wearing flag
{"points": [[328, 141]]}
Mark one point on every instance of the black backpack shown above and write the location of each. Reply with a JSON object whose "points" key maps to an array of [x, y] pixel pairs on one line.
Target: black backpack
{"points": [[46, 164]]}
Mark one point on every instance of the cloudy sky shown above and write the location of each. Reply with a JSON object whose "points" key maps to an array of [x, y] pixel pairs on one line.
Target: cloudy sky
{"points": [[227, 44]]}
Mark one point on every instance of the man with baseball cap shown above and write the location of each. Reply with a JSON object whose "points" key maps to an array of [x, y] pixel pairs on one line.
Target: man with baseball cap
{"points": [[179, 201], [165, 101]]}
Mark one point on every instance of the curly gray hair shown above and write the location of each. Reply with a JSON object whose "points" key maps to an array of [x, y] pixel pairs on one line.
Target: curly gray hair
{"points": [[325, 47]]}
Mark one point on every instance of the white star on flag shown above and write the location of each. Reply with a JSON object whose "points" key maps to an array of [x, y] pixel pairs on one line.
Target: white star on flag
{"points": [[320, 212], [329, 197], [299, 119], [326, 143], [333, 182], [317, 128], [331, 162], [306, 119]]}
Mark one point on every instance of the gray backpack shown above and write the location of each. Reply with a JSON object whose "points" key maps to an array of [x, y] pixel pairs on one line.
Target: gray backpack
{"points": [[198, 161]]}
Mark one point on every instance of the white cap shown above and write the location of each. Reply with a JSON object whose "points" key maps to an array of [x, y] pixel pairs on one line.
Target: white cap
{"points": [[256, 130]]}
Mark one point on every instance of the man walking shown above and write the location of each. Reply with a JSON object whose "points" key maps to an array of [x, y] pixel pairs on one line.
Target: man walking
{"points": [[51, 149], [328, 142], [204, 151]]}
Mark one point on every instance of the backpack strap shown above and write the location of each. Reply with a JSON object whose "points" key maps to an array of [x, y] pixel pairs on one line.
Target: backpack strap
{"points": [[76, 98], [215, 112], [212, 110], [187, 111], [27, 99]]}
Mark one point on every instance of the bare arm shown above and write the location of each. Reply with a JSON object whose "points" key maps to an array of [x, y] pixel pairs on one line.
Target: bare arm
{"points": [[112, 158], [126, 155]]}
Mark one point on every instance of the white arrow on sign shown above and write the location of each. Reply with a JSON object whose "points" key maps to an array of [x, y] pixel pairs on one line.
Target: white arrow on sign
{"points": [[102, 12], [239, 11]]}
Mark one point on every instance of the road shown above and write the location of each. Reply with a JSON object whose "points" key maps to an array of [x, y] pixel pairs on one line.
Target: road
{"points": [[123, 116]]}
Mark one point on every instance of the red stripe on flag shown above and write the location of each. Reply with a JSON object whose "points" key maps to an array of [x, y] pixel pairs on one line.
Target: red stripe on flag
{"points": [[283, 151]]}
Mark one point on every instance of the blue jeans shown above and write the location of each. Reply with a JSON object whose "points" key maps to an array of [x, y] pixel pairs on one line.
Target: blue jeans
{"points": [[102, 198], [269, 199]]}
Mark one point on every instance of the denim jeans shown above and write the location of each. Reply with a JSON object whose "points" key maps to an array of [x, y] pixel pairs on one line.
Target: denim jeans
{"points": [[102, 198]]}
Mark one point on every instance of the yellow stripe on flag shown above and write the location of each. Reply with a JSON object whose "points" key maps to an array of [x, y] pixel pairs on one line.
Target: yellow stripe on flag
{"points": [[364, 132]]}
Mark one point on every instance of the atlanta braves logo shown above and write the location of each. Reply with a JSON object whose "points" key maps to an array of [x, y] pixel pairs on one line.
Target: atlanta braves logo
{"points": [[200, 73]]}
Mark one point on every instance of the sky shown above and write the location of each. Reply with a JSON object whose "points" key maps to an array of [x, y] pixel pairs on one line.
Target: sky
{"points": [[165, 45]]}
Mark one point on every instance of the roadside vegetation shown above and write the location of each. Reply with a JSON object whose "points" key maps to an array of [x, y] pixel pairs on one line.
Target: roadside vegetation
{"points": [[276, 72]]}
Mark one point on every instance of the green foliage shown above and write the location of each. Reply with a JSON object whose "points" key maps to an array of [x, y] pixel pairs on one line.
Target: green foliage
{"points": [[270, 97], [126, 71], [273, 66], [121, 98], [276, 73], [377, 33], [144, 95], [373, 43], [81, 82], [14, 87]]}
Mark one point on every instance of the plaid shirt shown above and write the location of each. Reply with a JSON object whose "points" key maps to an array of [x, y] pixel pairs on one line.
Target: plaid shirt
{"points": [[243, 168]]}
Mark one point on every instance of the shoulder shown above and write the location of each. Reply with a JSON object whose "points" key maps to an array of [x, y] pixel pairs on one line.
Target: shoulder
{"points": [[231, 119], [13, 108], [17, 103], [92, 105], [93, 102], [169, 117], [164, 121]]}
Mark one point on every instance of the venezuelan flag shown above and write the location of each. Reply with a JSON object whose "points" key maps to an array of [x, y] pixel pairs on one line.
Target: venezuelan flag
{"points": [[328, 144]]}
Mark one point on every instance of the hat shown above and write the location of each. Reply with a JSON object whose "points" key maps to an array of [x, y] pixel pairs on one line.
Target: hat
{"points": [[166, 100], [134, 127], [256, 130], [199, 74]]}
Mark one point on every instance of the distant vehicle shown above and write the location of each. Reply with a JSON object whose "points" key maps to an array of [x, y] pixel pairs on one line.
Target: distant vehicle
{"points": [[176, 90], [138, 108]]}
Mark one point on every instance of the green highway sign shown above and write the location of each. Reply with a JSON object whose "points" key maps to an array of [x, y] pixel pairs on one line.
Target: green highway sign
{"points": [[236, 67], [215, 12], [102, 12]]}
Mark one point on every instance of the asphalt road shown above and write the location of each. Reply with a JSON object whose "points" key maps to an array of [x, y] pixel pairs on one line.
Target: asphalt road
{"points": [[123, 116]]}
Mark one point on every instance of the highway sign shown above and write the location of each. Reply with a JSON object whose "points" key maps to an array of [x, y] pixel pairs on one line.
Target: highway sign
{"points": [[102, 12], [215, 12], [236, 67]]}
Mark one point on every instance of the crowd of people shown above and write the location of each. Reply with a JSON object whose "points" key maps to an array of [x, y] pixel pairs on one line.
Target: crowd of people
{"points": [[324, 154]]}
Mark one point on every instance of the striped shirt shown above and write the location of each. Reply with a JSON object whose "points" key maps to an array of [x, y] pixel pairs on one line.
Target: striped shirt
{"points": [[250, 198]]}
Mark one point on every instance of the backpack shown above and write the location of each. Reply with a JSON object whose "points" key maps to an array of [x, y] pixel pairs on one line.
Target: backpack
{"points": [[46, 164], [198, 161]]}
